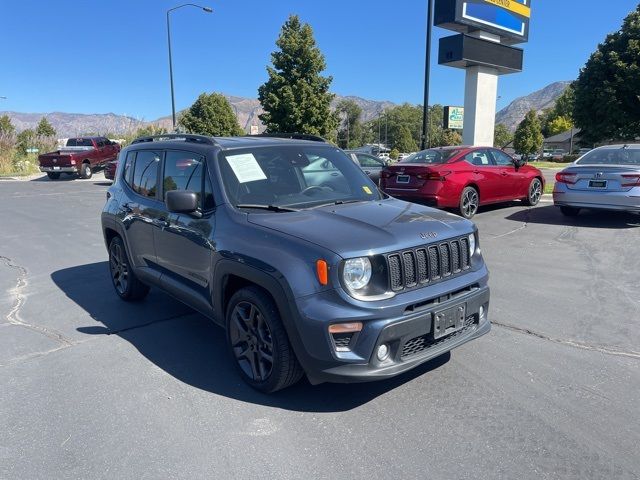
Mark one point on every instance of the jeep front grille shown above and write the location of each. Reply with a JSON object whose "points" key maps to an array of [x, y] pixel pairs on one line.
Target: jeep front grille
{"points": [[430, 263]]}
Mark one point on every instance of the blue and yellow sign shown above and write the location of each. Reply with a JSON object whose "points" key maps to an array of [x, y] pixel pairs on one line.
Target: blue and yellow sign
{"points": [[507, 18], [511, 16]]}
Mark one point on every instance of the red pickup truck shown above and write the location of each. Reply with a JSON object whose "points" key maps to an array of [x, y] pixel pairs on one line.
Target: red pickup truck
{"points": [[80, 156]]}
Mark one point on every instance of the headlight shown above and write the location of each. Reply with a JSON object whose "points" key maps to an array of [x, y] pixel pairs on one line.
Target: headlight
{"points": [[472, 244], [356, 273]]}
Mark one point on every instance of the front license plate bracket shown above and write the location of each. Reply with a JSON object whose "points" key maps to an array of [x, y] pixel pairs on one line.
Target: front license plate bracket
{"points": [[446, 322]]}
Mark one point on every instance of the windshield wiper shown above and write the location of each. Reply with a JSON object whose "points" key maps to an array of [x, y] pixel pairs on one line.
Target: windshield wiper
{"points": [[272, 208]]}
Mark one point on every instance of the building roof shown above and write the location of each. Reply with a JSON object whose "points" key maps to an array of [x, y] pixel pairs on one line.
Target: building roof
{"points": [[564, 136]]}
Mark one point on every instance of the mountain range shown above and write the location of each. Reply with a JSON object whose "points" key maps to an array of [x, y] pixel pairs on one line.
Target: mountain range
{"points": [[247, 111]]}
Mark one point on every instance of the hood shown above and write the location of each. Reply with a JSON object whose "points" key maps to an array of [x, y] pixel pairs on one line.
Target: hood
{"points": [[367, 228]]}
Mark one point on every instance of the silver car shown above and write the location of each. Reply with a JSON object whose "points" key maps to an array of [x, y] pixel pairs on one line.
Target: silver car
{"points": [[606, 178]]}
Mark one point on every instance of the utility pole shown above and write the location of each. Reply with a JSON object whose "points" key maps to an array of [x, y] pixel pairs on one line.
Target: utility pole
{"points": [[427, 73], [173, 101]]}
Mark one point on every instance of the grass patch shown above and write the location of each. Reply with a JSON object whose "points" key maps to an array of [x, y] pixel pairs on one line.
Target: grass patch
{"points": [[13, 164], [554, 165], [548, 188]]}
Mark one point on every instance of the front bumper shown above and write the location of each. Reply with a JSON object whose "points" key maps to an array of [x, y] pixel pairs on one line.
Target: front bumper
{"points": [[59, 169], [407, 332]]}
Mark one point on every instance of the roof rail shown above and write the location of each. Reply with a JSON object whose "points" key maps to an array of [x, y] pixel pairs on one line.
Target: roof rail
{"points": [[293, 136], [188, 137]]}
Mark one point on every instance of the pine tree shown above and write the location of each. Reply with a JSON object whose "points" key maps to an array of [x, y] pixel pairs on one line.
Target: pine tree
{"points": [[528, 138], [45, 129], [296, 96], [211, 115]]}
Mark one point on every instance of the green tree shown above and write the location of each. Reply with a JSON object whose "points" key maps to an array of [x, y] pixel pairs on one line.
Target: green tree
{"points": [[211, 114], [528, 138], [502, 136], [607, 101], [6, 127], [349, 113], [565, 103], [558, 125], [450, 138], [394, 154], [45, 129], [26, 139], [296, 96], [404, 141]]}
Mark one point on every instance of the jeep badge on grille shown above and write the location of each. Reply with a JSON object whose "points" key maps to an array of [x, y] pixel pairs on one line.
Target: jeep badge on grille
{"points": [[428, 235]]}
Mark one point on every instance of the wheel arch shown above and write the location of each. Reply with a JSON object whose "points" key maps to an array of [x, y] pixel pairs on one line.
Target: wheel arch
{"points": [[231, 275]]}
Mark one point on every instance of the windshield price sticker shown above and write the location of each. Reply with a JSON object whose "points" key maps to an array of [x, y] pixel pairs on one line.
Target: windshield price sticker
{"points": [[246, 168]]}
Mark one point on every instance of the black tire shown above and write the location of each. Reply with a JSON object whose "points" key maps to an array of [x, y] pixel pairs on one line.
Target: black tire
{"points": [[125, 282], [570, 211], [53, 175], [535, 193], [469, 202], [258, 341], [85, 171]]}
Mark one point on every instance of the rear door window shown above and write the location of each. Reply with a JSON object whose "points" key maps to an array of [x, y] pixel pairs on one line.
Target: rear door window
{"points": [[145, 174], [371, 162], [479, 158]]}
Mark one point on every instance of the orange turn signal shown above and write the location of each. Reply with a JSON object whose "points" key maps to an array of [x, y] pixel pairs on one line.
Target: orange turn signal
{"points": [[322, 270], [351, 327]]}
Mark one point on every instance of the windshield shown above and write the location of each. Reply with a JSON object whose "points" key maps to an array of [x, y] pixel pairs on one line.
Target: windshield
{"points": [[430, 156], [293, 176], [611, 156]]}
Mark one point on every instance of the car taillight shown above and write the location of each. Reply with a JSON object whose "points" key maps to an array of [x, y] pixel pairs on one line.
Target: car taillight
{"points": [[631, 180], [568, 178], [385, 174], [73, 162], [439, 176]]}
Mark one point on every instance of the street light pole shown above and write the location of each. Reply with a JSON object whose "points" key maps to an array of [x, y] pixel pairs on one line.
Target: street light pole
{"points": [[173, 102], [427, 73]]}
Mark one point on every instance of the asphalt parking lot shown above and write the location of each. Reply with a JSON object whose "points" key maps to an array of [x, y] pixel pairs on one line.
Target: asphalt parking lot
{"points": [[91, 387]]}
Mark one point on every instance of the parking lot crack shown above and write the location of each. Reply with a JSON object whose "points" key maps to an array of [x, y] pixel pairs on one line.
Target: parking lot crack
{"points": [[570, 343], [13, 317]]}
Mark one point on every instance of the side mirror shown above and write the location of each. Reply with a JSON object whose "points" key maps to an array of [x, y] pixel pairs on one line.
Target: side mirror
{"points": [[520, 163], [181, 201]]}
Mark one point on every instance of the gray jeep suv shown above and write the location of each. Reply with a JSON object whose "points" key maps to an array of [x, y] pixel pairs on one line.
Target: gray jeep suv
{"points": [[293, 250]]}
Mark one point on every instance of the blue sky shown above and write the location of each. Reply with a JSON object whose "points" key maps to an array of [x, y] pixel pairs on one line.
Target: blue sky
{"points": [[111, 56]]}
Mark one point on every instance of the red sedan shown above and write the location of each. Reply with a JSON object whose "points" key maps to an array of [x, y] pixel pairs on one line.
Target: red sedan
{"points": [[462, 178]]}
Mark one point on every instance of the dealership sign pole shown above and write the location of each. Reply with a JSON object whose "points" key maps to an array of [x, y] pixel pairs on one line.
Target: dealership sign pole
{"points": [[487, 30]]}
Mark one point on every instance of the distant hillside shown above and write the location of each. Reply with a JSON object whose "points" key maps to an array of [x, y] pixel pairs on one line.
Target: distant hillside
{"points": [[74, 124], [248, 109], [515, 112]]}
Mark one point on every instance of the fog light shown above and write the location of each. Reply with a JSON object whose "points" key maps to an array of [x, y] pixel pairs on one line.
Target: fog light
{"points": [[383, 352]]}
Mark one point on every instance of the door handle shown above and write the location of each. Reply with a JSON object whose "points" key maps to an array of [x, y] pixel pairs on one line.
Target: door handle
{"points": [[504, 174], [476, 172], [367, 172]]}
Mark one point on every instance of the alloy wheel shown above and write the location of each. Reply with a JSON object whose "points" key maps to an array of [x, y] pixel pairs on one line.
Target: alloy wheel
{"points": [[251, 341], [470, 203], [535, 192], [119, 268]]}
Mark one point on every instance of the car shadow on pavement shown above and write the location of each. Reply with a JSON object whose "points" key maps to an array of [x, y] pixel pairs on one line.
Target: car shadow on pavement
{"points": [[191, 348], [551, 215]]}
